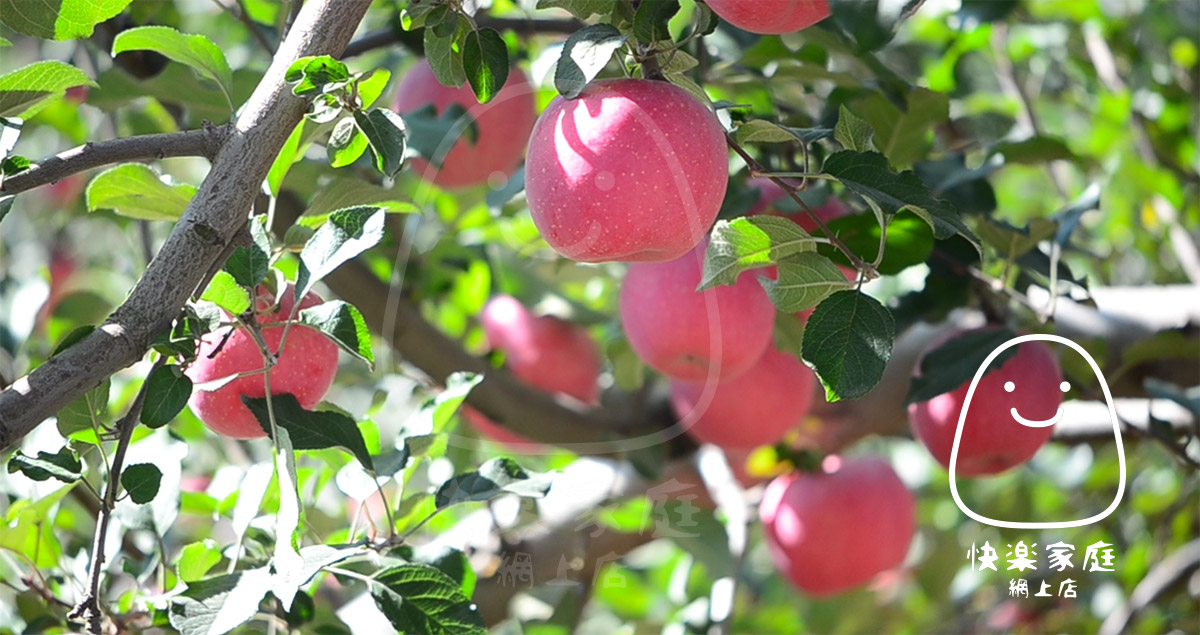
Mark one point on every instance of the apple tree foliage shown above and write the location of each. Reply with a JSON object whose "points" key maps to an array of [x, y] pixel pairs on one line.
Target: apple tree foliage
{"points": [[990, 149]]}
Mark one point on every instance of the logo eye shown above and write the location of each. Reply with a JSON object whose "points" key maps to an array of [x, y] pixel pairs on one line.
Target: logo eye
{"points": [[1065, 386], [1009, 386]]}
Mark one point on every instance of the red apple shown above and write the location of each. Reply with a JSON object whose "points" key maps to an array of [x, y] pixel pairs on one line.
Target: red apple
{"points": [[992, 440], [631, 170], [305, 368], [503, 126], [717, 333], [770, 17], [834, 530], [545, 352], [755, 409]]}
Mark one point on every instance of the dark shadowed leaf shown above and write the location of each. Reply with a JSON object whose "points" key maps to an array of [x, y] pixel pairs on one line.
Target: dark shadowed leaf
{"points": [[344, 325], [650, 20], [485, 61], [63, 465], [872, 23], [141, 482], [167, 392], [954, 363], [431, 136], [449, 561], [384, 131], [868, 175], [313, 74], [495, 477], [311, 429], [418, 598], [584, 55], [437, 412], [909, 241], [848, 340]]}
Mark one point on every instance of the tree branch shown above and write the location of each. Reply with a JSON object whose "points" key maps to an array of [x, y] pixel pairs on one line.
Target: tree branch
{"points": [[218, 210], [1172, 570], [204, 142]]}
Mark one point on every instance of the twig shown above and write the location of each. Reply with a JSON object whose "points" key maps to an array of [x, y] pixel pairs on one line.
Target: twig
{"points": [[244, 18], [197, 240], [192, 143], [384, 38], [88, 609], [1172, 570]]}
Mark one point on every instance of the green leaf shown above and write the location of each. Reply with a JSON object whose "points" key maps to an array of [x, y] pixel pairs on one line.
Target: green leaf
{"points": [[748, 243], [763, 131], [28, 529], [196, 559], [450, 561], [584, 55], [6, 204], [286, 563], [848, 341], [348, 233], [444, 59], [225, 292], [4, 43], [418, 598], [141, 481], [249, 265], [852, 132], [63, 465], [58, 19], [346, 143], [788, 334], [431, 136], [345, 192], [167, 392], [86, 412], [136, 191], [628, 370], [1035, 150], [437, 412], [311, 429], [23, 90], [803, 281], [384, 130], [868, 175], [195, 51], [909, 241], [872, 23], [902, 136], [372, 85], [495, 477], [650, 20], [220, 604], [954, 363], [315, 74], [582, 9], [485, 61], [13, 165], [343, 324]]}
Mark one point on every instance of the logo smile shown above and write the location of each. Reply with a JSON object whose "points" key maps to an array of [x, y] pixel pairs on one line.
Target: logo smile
{"points": [[1036, 424]]}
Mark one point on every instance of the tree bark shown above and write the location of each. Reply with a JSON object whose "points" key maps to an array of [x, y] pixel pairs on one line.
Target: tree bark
{"points": [[220, 208]]}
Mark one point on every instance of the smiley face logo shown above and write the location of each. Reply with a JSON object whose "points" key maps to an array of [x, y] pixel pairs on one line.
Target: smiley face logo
{"points": [[1036, 416]]}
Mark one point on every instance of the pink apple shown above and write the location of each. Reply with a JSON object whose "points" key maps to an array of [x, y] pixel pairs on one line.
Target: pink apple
{"points": [[771, 16], [834, 530], [632, 170], [544, 352], [720, 332], [992, 440], [503, 125], [756, 408], [305, 368]]}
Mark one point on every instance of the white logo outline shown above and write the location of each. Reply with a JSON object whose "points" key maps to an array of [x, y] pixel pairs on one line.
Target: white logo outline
{"points": [[962, 418]]}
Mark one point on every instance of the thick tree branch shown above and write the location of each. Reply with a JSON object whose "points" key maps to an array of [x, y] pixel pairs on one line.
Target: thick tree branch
{"points": [[219, 209], [192, 143]]}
